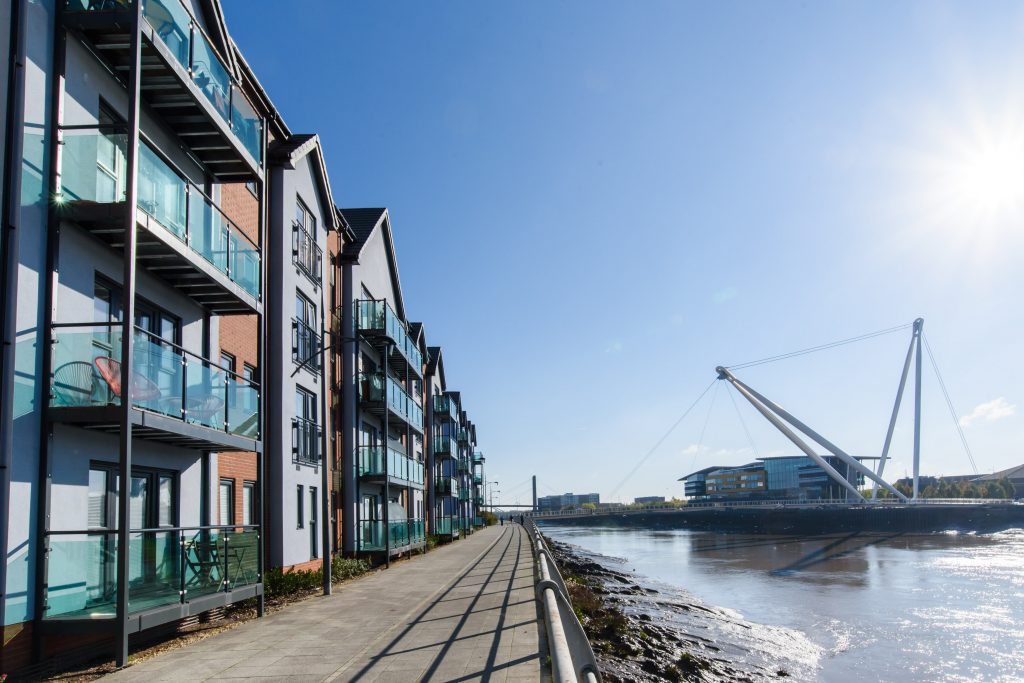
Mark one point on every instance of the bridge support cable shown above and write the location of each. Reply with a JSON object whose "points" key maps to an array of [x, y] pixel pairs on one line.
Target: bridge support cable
{"points": [[660, 441], [949, 403], [772, 412], [895, 409]]}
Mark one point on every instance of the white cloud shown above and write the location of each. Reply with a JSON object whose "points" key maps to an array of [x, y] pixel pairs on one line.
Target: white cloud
{"points": [[990, 411]]}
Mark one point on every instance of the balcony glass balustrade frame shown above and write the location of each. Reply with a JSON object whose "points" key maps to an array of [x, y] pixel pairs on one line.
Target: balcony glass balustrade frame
{"points": [[188, 82], [445, 409], [207, 408], [445, 447], [400, 405], [185, 571], [404, 534], [185, 238], [377, 323], [402, 470]]}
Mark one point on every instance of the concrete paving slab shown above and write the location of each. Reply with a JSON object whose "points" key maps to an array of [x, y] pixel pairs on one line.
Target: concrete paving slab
{"points": [[465, 611]]}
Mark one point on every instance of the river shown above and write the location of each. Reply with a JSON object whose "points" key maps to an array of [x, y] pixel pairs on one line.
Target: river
{"points": [[938, 607]]}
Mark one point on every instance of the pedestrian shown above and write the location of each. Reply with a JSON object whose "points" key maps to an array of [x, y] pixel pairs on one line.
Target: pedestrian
{"points": [[502, 521]]}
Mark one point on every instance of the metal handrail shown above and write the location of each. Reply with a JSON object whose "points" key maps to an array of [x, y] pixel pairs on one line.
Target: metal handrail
{"points": [[572, 657], [768, 503]]}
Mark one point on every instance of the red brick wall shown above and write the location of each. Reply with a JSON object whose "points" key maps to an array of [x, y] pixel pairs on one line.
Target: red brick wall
{"points": [[238, 335]]}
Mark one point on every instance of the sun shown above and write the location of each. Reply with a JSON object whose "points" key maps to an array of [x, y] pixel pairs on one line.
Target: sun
{"points": [[986, 176]]}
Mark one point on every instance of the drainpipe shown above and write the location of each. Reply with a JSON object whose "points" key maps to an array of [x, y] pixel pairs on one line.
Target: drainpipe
{"points": [[13, 141], [325, 477]]}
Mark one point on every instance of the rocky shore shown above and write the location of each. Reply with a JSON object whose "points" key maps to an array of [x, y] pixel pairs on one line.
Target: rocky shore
{"points": [[641, 632]]}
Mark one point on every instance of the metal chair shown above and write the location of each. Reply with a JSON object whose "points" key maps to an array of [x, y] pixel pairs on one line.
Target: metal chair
{"points": [[73, 384]]}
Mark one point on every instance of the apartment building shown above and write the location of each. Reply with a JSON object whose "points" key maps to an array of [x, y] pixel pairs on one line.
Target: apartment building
{"points": [[382, 420], [443, 450], [138, 119], [173, 323]]}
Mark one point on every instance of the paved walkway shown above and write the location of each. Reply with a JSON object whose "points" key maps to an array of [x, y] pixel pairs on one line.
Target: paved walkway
{"points": [[463, 612]]}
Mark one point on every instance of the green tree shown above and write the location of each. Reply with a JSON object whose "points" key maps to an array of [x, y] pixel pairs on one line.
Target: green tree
{"points": [[589, 506]]}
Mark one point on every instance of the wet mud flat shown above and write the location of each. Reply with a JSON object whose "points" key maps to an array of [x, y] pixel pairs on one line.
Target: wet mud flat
{"points": [[643, 630]]}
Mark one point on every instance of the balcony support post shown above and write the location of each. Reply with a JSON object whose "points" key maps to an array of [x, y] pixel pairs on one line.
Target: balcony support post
{"points": [[261, 359], [325, 475], [349, 413], [387, 474], [49, 302], [128, 318]]}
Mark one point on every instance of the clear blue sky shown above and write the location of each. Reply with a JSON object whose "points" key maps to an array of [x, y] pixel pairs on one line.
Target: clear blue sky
{"points": [[596, 203]]}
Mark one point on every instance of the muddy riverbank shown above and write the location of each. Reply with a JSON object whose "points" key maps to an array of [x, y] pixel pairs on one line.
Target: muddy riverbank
{"points": [[642, 630]]}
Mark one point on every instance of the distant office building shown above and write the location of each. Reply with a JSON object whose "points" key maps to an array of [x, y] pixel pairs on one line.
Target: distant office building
{"points": [[789, 477], [566, 500], [647, 500], [1015, 475]]}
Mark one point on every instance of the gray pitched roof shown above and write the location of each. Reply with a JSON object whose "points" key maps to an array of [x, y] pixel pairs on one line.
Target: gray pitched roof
{"points": [[1011, 473], [362, 222]]}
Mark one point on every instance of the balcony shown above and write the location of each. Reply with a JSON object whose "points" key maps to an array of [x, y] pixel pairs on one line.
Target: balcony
{"points": [[464, 494], [478, 500], [478, 479], [177, 397], [478, 458], [403, 535], [446, 486], [183, 78], [306, 437], [306, 346], [175, 573], [398, 468], [379, 394], [463, 464], [306, 253], [462, 434], [443, 527], [185, 238], [376, 320], [445, 409], [445, 446]]}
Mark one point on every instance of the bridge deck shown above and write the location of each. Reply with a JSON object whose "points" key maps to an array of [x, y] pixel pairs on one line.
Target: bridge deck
{"points": [[463, 612]]}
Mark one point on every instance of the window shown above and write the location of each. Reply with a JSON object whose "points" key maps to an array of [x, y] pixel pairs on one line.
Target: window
{"points": [[227, 361], [305, 341], [305, 430], [305, 250], [251, 186], [250, 399], [312, 522], [110, 158], [227, 502], [248, 502], [300, 513]]}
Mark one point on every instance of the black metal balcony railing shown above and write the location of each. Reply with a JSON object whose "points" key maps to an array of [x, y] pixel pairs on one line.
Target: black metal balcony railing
{"points": [[93, 176], [445, 409], [306, 441], [189, 46], [165, 379], [167, 566], [306, 253], [375, 316], [306, 345]]}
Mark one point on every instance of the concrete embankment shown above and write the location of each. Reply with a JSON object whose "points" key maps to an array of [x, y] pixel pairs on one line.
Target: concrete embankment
{"points": [[826, 519]]}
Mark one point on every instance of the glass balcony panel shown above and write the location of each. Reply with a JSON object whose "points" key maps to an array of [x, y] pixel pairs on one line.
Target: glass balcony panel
{"points": [[154, 569], [248, 127], [171, 22], [208, 231], [204, 400], [162, 192], [159, 371], [371, 535], [204, 563], [242, 557], [243, 407], [93, 166], [210, 75], [76, 381], [81, 575], [244, 263]]}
